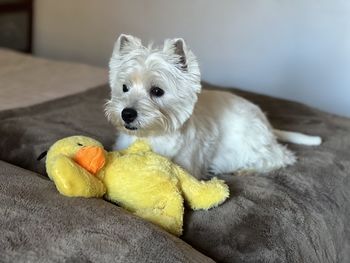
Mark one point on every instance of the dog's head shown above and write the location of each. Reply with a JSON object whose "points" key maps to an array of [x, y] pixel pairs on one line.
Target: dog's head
{"points": [[153, 90]]}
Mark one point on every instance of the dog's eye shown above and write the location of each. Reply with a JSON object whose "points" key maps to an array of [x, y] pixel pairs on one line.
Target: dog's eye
{"points": [[125, 88], [157, 92]]}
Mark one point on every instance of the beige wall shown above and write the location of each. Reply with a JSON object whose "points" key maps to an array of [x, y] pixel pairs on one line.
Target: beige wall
{"points": [[294, 49]]}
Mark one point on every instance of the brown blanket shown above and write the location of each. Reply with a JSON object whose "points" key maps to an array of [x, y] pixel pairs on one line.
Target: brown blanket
{"points": [[297, 214], [39, 225]]}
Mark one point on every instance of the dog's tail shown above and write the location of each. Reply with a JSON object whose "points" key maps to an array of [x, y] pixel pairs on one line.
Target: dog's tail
{"points": [[297, 138]]}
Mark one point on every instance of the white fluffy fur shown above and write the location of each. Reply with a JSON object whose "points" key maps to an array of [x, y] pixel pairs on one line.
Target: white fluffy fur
{"points": [[203, 131]]}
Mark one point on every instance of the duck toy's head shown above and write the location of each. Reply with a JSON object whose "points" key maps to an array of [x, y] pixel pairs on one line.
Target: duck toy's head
{"points": [[74, 160]]}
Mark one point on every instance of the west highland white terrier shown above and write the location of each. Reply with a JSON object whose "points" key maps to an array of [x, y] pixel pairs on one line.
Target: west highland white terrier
{"points": [[156, 94]]}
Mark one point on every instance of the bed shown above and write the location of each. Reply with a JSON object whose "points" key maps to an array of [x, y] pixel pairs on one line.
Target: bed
{"points": [[297, 214]]}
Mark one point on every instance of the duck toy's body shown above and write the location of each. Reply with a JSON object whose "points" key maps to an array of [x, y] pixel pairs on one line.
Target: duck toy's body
{"points": [[144, 183]]}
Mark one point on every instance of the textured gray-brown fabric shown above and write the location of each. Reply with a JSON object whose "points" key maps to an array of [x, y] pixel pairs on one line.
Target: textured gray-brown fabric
{"points": [[27, 80], [297, 214], [39, 225], [26, 132]]}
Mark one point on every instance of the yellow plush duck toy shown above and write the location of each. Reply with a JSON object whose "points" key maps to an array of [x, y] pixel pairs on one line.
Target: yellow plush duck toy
{"points": [[141, 181]]}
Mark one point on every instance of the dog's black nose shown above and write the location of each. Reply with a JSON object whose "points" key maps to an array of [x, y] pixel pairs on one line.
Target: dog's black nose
{"points": [[129, 114]]}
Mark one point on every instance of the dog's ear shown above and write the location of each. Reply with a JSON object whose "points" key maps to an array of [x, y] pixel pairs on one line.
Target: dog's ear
{"points": [[126, 43], [177, 46]]}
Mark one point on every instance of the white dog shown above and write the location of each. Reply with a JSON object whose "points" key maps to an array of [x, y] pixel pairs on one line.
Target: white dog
{"points": [[156, 94]]}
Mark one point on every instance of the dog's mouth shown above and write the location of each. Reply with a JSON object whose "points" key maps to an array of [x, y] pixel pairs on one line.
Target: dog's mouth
{"points": [[129, 127]]}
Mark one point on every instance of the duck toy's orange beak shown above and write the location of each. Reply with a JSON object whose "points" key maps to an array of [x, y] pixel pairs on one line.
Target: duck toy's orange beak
{"points": [[92, 158]]}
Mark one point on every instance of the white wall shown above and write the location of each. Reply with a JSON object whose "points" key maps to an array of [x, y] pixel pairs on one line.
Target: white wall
{"points": [[294, 49]]}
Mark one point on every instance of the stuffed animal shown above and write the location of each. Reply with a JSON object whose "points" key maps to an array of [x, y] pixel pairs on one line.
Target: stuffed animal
{"points": [[139, 180]]}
